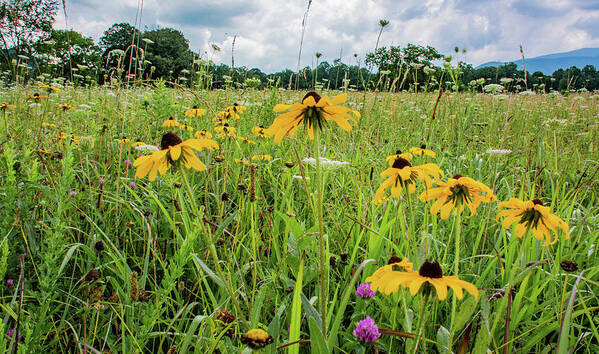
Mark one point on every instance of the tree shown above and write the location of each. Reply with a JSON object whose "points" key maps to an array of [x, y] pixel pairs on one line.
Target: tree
{"points": [[23, 22], [67, 50], [121, 37], [168, 52]]}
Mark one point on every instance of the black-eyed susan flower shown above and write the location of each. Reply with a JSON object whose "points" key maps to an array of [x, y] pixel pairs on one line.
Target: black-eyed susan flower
{"points": [[50, 88], [123, 140], [195, 112], [49, 125], [256, 338], [398, 155], [36, 97], [390, 280], [289, 164], [170, 123], [456, 194], [422, 150], [259, 131], [203, 134], [225, 130], [237, 108], [65, 107], [173, 151], [219, 158], [242, 161], [137, 143], [261, 157], [402, 265], [246, 140], [186, 127], [219, 119], [5, 106], [534, 216], [403, 175], [314, 111]]}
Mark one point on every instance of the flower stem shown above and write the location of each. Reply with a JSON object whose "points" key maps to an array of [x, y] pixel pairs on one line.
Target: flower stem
{"points": [[456, 269], [422, 321], [210, 244], [323, 287]]}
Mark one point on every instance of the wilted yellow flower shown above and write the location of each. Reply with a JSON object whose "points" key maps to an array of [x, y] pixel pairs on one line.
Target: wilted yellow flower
{"points": [[534, 216], [314, 111], [457, 193]]}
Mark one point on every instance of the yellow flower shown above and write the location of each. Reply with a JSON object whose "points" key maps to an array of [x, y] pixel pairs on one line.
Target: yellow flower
{"points": [[65, 107], [387, 280], [173, 151], [50, 125], [203, 134], [256, 338], [195, 112], [262, 157], [5, 106], [43, 151], [402, 265], [36, 97], [398, 155], [225, 130], [219, 158], [170, 123], [531, 215], [137, 143], [123, 140], [236, 108], [403, 174], [247, 140], [422, 150], [50, 88], [259, 131], [314, 111], [457, 193], [185, 127], [242, 161], [219, 120]]}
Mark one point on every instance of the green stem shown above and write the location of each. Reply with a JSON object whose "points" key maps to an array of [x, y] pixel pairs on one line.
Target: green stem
{"points": [[456, 269], [210, 244], [323, 287], [421, 320]]}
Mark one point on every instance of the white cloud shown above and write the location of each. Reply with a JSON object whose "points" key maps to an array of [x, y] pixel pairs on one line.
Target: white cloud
{"points": [[269, 32]]}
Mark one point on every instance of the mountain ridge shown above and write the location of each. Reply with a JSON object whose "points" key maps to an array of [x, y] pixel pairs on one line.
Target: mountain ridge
{"points": [[549, 63]]}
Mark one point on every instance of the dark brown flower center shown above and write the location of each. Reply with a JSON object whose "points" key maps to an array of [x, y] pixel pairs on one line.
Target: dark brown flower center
{"points": [[394, 259], [430, 270], [458, 176], [397, 152], [537, 202], [194, 107], [401, 163], [313, 95], [423, 146], [169, 139]]}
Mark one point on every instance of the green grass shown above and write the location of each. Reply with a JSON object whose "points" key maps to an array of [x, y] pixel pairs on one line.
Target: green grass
{"points": [[268, 248]]}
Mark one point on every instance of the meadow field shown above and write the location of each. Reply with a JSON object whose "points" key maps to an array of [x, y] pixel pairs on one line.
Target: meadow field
{"points": [[225, 240]]}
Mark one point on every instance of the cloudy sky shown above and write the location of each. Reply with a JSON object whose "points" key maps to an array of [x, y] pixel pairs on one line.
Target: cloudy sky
{"points": [[269, 31]]}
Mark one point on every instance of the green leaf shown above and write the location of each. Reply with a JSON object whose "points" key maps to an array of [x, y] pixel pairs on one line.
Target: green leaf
{"points": [[208, 271], [317, 342], [296, 310], [564, 330], [464, 314], [443, 340]]}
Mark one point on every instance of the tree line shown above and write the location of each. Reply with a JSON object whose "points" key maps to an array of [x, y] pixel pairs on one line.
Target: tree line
{"points": [[32, 48]]}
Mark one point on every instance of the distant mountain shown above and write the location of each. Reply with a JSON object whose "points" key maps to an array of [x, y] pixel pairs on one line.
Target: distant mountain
{"points": [[549, 63]]}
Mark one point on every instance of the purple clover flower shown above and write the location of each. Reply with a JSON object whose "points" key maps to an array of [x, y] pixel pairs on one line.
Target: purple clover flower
{"points": [[101, 181], [73, 192], [367, 331], [364, 291], [10, 283], [128, 163], [132, 185], [10, 333]]}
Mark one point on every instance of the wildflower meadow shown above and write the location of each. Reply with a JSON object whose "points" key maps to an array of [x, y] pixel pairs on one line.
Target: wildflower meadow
{"points": [[166, 219]]}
